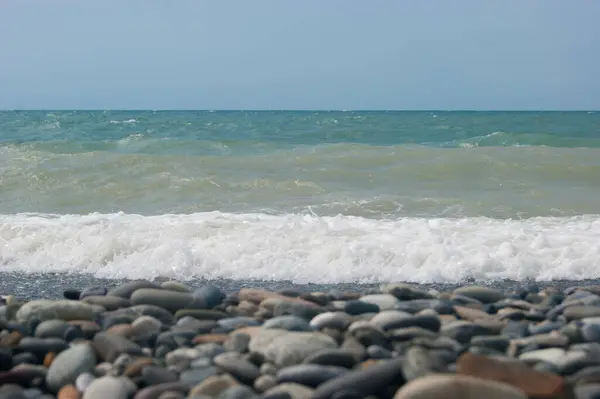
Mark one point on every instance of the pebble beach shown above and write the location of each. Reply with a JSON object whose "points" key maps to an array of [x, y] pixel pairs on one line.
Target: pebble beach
{"points": [[143, 339]]}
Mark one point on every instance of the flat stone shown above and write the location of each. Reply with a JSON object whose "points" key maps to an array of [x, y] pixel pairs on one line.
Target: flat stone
{"points": [[195, 376], [357, 307], [213, 386], [109, 387], [157, 391], [337, 320], [93, 291], [238, 367], [587, 391], [174, 286], [482, 294], [155, 374], [69, 364], [257, 296], [450, 386], [134, 312], [387, 319], [83, 381], [441, 307], [463, 331], [580, 312], [293, 347], [333, 357], [383, 301], [125, 290], [200, 314], [470, 314], [107, 302], [406, 292], [289, 391], [532, 382], [363, 382], [166, 299], [51, 329], [418, 362], [63, 310], [40, 347], [239, 392], [289, 323], [66, 392], [311, 375], [237, 342], [110, 346], [499, 343], [264, 383], [210, 338]]}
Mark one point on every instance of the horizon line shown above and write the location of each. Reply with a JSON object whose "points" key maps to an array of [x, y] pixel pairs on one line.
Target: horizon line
{"points": [[288, 110]]}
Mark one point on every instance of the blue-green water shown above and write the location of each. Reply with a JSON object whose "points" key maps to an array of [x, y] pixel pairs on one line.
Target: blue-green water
{"points": [[305, 196]]}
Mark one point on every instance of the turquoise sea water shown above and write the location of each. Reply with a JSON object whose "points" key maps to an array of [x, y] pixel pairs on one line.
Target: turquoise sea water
{"points": [[302, 196]]}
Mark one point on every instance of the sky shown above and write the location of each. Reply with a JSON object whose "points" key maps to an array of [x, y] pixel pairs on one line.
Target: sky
{"points": [[292, 54]]}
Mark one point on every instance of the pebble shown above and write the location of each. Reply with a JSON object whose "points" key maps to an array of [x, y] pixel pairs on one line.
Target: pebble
{"points": [[170, 341]]}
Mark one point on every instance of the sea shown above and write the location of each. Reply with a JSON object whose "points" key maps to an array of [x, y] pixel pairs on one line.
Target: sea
{"points": [[314, 199]]}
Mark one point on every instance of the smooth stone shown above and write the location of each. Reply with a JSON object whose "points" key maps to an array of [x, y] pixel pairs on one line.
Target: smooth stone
{"points": [[93, 291], [6, 360], [262, 338], [333, 357], [25, 358], [441, 307], [450, 386], [549, 355], [264, 383], [289, 323], [146, 325], [51, 329], [134, 312], [291, 390], [238, 367], [586, 375], [238, 392], [210, 295], [210, 350], [311, 375], [378, 352], [201, 314], [579, 312], [470, 314], [109, 387], [125, 290], [110, 346], [268, 368], [304, 309], [587, 391], [195, 376], [175, 286], [482, 294], [336, 320], [515, 329], [429, 322], [388, 318], [237, 342], [83, 381], [293, 347], [69, 364], [366, 381], [154, 375], [357, 307], [63, 310], [590, 332], [383, 301], [418, 362], [166, 299], [463, 331], [155, 391], [410, 333], [533, 383], [545, 327], [499, 343], [74, 333], [71, 294], [107, 302], [213, 386], [40, 347], [406, 292]]}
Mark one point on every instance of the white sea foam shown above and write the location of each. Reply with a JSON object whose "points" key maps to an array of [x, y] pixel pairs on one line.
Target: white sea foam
{"points": [[301, 248]]}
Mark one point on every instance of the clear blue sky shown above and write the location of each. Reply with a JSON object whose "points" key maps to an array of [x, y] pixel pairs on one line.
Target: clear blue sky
{"points": [[299, 54]]}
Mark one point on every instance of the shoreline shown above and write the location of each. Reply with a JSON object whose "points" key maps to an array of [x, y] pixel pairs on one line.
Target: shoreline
{"points": [[170, 340]]}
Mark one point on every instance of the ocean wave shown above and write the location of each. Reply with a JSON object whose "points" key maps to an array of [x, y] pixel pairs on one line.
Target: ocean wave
{"points": [[302, 248]]}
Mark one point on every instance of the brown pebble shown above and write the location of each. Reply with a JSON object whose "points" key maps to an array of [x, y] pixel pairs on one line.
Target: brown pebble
{"points": [[534, 383], [211, 339], [49, 358], [135, 368], [124, 330], [68, 392], [470, 314], [11, 340]]}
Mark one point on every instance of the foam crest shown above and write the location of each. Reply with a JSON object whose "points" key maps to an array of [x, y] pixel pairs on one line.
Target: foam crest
{"points": [[301, 248]]}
